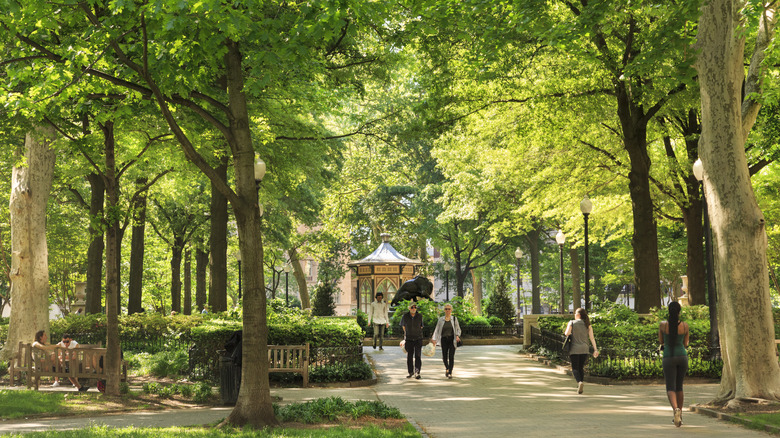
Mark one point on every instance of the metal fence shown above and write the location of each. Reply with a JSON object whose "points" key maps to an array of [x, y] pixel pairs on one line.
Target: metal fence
{"points": [[630, 363], [147, 343]]}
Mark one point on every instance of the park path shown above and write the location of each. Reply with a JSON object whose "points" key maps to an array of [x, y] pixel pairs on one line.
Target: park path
{"points": [[495, 392]]}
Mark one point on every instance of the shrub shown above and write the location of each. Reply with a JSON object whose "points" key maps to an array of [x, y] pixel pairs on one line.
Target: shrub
{"points": [[330, 408], [324, 305], [124, 388], [495, 321], [500, 305], [479, 321], [186, 390], [341, 373], [3, 368], [202, 393], [169, 363]]}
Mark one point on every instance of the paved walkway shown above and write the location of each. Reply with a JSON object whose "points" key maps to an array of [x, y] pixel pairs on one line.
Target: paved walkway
{"points": [[495, 392]]}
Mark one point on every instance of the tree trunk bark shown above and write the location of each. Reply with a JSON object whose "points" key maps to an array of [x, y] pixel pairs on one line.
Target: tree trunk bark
{"points": [[576, 297], [254, 404], [96, 246], [739, 231], [218, 244], [29, 275], [176, 250], [187, 282], [113, 360], [533, 249], [201, 266], [136, 276], [300, 277], [476, 280], [644, 241]]}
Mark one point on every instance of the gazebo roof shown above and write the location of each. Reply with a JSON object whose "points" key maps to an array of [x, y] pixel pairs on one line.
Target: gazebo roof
{"points": [[385, 255]]}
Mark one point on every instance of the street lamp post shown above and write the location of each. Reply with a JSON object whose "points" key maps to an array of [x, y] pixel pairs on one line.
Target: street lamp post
{"points": [[447, 268], [518, 256], [586, 207], [712, 296], [561, 239], [286, 284]]}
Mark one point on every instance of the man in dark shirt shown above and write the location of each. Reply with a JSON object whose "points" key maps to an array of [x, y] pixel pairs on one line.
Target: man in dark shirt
{"points": [[412, 323]]}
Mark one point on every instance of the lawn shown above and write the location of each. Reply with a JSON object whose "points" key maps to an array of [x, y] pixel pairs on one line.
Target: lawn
{"points": [[759, 421], [371, 431]]}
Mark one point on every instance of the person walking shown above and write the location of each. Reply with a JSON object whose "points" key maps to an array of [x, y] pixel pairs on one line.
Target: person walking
{"points": [[448, 332], [377, 316], [673, 335], [581, 332], [412, 324]]}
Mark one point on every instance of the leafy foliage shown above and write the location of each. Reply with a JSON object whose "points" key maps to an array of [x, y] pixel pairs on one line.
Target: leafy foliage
{"points": [[331, 408], [500, 305], [324, 303]]}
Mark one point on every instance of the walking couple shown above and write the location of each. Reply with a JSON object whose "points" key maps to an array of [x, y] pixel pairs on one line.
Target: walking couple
{"points": [[447, 333]]}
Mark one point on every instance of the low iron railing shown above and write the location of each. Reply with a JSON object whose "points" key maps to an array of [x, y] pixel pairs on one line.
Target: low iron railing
{"points": [[630, 363]]}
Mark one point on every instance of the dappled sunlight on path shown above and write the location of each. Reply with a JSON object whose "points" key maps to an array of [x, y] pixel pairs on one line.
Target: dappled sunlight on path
{"points": [[495, 391]]}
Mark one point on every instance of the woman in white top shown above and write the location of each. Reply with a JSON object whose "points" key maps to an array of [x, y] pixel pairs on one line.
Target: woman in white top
{"points": [[448, 332]]}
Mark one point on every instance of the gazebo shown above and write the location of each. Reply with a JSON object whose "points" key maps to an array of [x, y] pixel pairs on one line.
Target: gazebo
{"points": [[384, 270]]}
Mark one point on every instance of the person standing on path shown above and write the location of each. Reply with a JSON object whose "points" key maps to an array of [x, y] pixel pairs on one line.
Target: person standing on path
{"points": [[448, 331], [581, 332], [673, 335], [377, 316], [412, 323]]}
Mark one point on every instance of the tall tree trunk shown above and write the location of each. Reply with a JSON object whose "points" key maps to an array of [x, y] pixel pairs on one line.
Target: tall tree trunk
{"points": [[750, 367], [187, 282], [218, 244], [119, 235], [300, 277], [96, 246], [644, 241], [692, 218], [533, 249], [30, 188], [176, 250], [201, 266], [254, 404], [476, 280], [576, 297], [113, 360], [135, 280]]}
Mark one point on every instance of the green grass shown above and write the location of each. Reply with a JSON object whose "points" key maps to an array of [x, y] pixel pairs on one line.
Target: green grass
{"points": [[17, 404], [759, 421], [173, 432]]}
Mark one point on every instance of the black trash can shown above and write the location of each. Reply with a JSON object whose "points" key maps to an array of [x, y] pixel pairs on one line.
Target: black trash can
{"points": [[230, 369], [229, 380]]}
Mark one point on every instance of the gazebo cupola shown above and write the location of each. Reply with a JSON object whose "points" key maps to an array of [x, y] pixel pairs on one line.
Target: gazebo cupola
{"points": [[384, 270]]}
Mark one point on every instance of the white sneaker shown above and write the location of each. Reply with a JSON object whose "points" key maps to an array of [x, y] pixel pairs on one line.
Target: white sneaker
{"points": [[580, 387], [55, 384]]}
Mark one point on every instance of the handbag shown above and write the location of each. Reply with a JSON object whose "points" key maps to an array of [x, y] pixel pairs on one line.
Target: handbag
{"points": [[459, 343], [567, 344]]}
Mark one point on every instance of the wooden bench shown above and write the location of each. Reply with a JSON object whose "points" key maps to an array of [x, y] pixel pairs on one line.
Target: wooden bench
{"points": [[80, 362], [289, 359]]}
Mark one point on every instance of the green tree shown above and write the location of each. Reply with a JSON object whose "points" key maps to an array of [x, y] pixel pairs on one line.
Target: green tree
{"points": [[499, 304], [324, 304]]}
